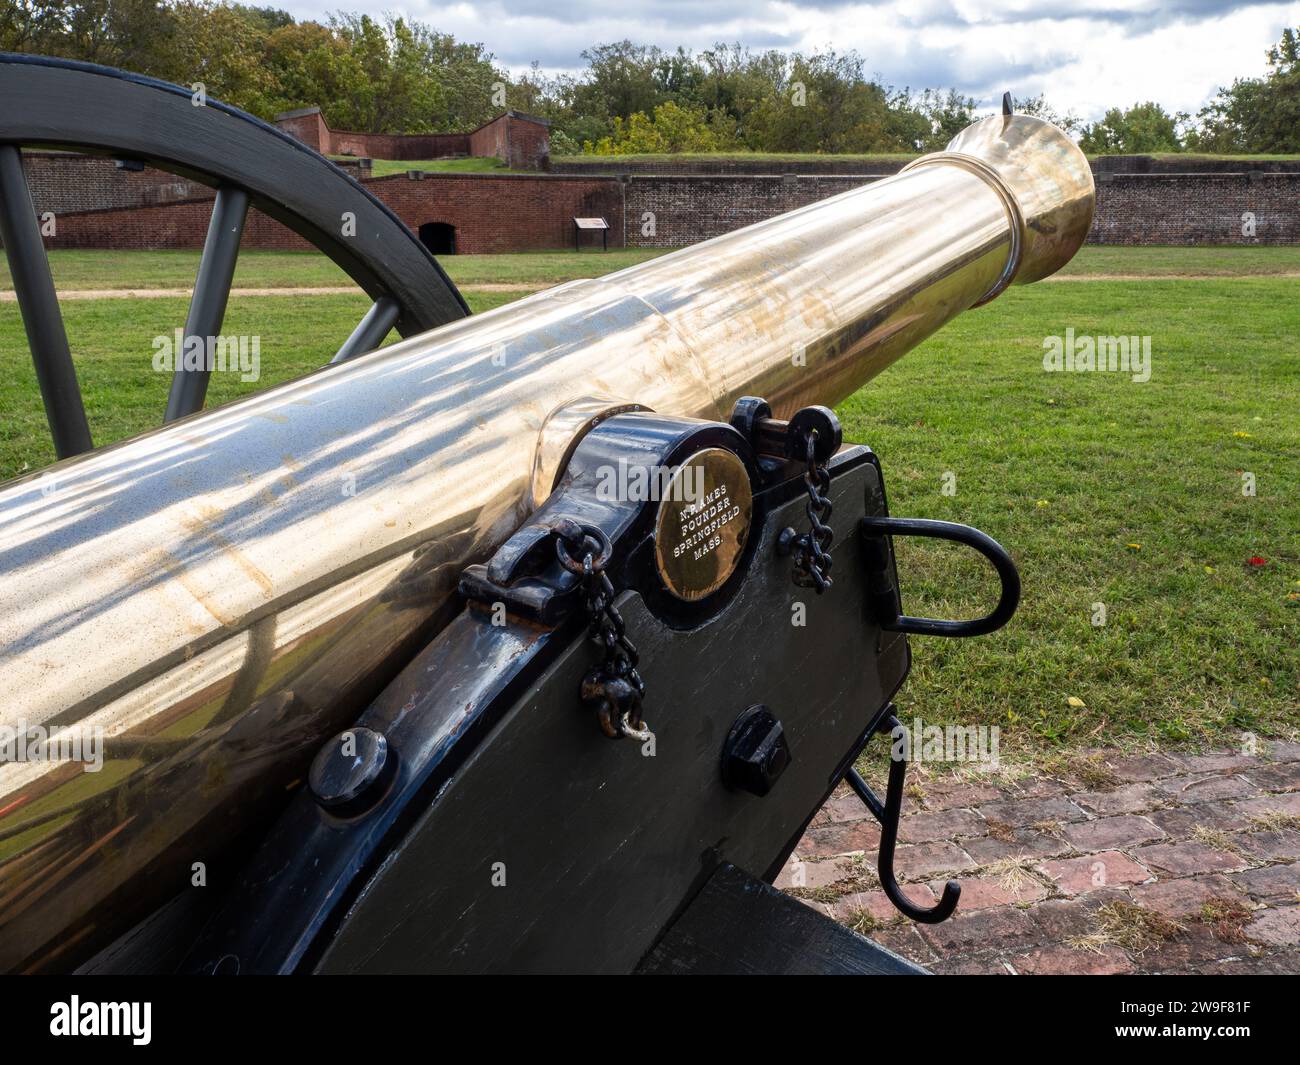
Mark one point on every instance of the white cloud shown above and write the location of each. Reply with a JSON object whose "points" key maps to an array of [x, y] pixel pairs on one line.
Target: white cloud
{"points": [[1085, 55]]}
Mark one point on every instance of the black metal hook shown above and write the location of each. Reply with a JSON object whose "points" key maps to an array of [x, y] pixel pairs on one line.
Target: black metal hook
{"points": [[888, 813]]}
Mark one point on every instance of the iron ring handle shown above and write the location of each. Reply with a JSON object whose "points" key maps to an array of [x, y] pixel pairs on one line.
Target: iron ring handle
{"points": [[962, 534], [570, 536]]}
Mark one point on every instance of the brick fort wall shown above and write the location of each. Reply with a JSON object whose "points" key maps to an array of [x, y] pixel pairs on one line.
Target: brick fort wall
{"points": [[1131, 208], [505, 212], [173, 225], [1197, 208], [491, 213], [522, 142], [670, 211], [92, 200], [62, 182]]}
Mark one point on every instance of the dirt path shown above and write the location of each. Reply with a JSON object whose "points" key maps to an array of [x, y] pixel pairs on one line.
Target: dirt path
{"points": [[517, 286]]}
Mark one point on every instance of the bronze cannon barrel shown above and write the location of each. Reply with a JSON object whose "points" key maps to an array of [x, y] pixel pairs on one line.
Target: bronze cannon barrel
{"points": [[209, 600]]}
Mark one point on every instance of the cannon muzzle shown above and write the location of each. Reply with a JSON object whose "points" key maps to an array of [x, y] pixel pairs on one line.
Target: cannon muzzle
{"points": [[211, 599]]}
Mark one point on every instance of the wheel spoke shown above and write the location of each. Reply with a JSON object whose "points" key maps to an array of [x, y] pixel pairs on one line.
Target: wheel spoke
{"points": [[208, 304], [371, 330], [34, 287]]}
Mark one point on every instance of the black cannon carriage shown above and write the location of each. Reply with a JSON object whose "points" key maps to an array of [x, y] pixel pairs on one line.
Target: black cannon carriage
{"points": [[560, 680]]}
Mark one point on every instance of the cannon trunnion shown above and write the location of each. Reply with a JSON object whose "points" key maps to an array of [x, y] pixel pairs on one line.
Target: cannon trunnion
{"points": [[479, 817]]}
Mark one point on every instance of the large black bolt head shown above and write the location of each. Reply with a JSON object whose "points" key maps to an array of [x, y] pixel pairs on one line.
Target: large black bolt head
{"points": [[756, 752], [350, 771]]}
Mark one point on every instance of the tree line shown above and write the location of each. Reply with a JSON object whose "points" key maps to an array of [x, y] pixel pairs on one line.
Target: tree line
{"points": [[395, 75]]}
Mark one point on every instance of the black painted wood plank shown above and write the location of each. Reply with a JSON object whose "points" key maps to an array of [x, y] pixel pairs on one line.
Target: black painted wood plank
{"points": [[740, 926]]}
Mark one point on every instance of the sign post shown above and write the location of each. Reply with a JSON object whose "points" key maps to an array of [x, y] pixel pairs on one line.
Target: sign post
{"points": [[579, 224]]}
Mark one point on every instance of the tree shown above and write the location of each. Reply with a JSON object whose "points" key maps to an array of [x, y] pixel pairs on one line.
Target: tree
{"points": [[620, 81], [946, 114], [673, 128], [823, 103], [400, 77], [302, 59], [123, 33], [393, 75], [220, 47], [1145, 127], [468, 77], [31, 26], [733, 81], [268, 19], [1039, 107], [1257, 114]]}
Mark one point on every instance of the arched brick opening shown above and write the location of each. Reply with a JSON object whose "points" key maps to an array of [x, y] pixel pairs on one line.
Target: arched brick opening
{"points": [[439, 237]]}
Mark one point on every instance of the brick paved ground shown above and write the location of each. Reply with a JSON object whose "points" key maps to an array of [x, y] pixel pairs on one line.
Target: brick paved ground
{"points": [[1116, 864]]}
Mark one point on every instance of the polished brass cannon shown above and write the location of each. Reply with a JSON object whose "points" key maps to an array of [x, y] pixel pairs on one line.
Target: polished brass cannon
{"points": [[215, 597]]}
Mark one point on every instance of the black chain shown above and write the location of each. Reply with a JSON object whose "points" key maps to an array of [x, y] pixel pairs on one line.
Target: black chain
{"points": [[607, 628], [614, 687], [812, 562]]}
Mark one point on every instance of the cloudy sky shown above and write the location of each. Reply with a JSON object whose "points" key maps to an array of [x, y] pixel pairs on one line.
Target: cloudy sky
{"points": [[1085, 55]]}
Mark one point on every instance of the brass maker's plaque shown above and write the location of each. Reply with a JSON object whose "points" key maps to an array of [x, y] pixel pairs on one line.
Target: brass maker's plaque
{"points": [[703, 520]]}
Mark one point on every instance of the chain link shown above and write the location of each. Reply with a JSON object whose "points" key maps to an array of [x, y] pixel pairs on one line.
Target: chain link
{"points": [[606, 627], [812, 562], [615, 686]]}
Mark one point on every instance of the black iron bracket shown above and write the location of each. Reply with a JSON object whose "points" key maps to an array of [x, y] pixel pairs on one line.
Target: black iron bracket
{"points": [[883, 589], [888, 813], [525, 576]]}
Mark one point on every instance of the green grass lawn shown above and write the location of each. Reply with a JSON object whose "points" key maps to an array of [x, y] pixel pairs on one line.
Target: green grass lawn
{"points": [[290, 269], [1225, 261], [542, 267], [111, 340], [1066, 470], [469, 165], [612, 162]]}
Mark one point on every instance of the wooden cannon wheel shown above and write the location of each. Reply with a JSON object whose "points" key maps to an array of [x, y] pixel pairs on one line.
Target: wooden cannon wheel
{"points": [[55, 103]]}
